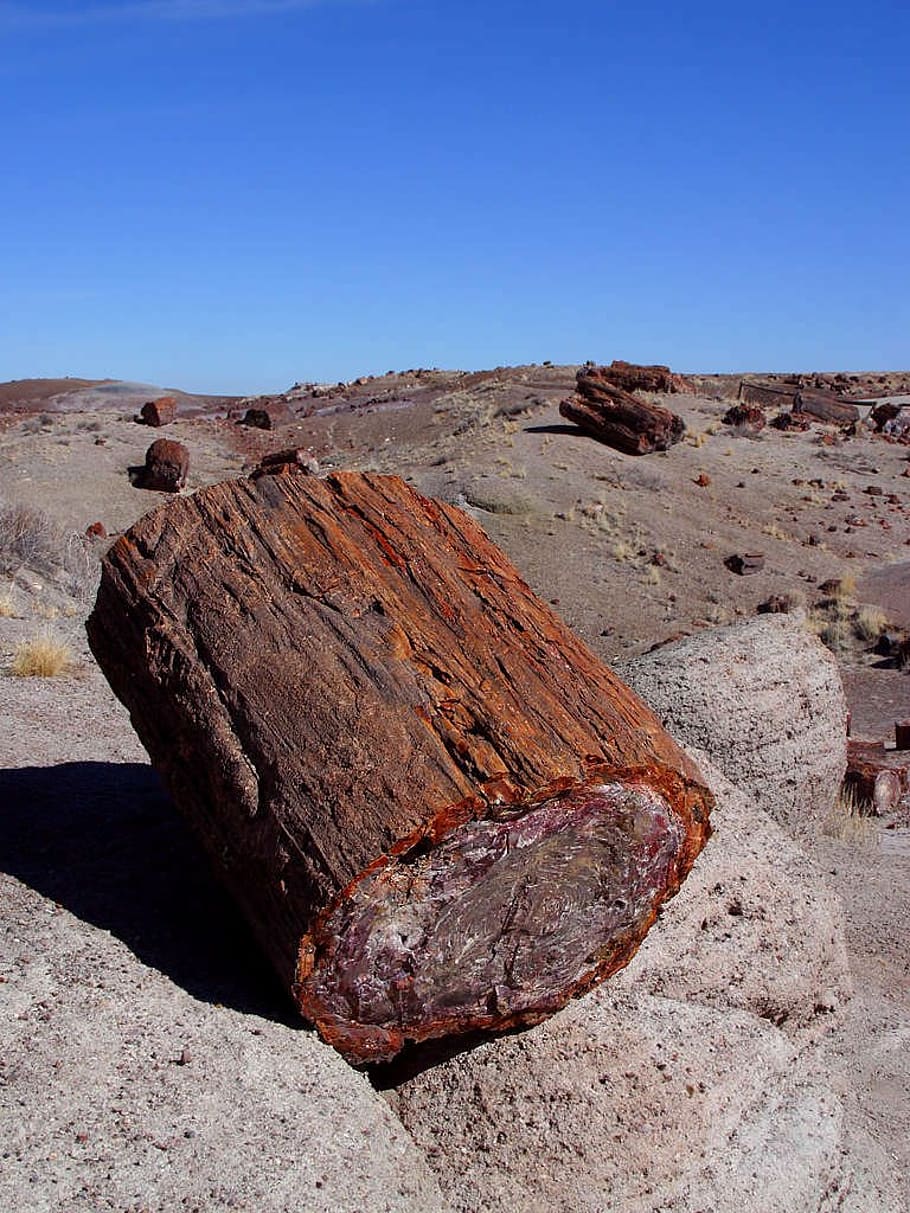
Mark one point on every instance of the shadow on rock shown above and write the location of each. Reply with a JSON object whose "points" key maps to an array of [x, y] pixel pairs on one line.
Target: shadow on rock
{"points": [[104, 841]]}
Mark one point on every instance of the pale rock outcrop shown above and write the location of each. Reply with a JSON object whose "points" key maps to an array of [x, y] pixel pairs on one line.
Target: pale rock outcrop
{"points": [[630, 1103], [754, 927], [765, 700]]}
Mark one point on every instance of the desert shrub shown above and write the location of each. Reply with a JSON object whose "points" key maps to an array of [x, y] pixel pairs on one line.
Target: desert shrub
{"points": [[848, 823], [869, 623], [27, 536], [44, 656], [81, 568], [836, 634], [7, 604]]}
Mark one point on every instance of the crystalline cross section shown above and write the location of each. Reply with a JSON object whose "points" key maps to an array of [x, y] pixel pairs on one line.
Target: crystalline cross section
{"points": [[503, 920]]}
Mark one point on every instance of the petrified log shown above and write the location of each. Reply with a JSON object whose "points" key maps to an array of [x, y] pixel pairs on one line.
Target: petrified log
{"points": [[825, 407], [167, 465], [877, 778], [747, 417], [439, 811], [746, 563], [159, 412], [267, 415], [766, 395], [791, 421], [618, 418], [632, 377]]}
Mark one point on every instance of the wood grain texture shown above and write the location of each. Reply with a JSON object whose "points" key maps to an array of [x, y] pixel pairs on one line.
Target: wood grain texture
{"points": [[334, 675], [617, 418]]}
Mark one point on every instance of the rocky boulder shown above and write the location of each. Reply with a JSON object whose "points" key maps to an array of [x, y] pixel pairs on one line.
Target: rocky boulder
{"points": [[765, 699]]}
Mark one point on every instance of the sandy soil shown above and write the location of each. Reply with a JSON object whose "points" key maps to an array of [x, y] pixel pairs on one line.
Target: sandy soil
{"points": [[630, 551]]}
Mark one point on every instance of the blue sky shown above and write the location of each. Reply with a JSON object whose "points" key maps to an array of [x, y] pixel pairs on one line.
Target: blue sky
{"points": [[231, 195]]}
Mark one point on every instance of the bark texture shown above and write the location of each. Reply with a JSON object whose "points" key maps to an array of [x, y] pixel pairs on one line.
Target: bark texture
{"points": [[632, 377], [619, 419], [439, 811]]}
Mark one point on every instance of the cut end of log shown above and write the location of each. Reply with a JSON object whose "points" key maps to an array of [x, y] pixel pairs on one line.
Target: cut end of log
{"points": [[497, 926]]}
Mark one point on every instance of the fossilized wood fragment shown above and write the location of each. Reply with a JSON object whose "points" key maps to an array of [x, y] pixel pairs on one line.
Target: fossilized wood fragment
{"points": [[439, 811], [618, 418], [494, 923]]}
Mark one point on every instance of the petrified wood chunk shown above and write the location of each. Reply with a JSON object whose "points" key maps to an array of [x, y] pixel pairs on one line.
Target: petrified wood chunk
{"points": [[747, 417], [167, 465], [267, 415], [439, 811], [878, 778], [618, 418], [159, 412], [825, 407], [745, 563], [632, 377]]}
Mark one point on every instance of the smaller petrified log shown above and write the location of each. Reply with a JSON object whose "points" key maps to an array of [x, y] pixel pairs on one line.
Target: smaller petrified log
{"points": [[825, 407], [267, 416], [167, 465], [791, 421], [877, 778], [619, 419], [159, 412], [748, 562], [883, 413], [291, 459], [632, 377], [766, 394], [746, 417]]}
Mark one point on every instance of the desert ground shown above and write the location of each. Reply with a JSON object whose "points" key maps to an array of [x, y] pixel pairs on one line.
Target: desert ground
{"points": [[149, 1061]]}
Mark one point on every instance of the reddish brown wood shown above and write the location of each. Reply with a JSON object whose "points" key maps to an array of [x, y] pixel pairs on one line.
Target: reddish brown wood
{"points": [[826, 407], [878, 778], [167, 465], [902, 735], [766, 395], [439, 811], [618, 418], [746, 417], [632, 377], [159, 412], [268, 415]]}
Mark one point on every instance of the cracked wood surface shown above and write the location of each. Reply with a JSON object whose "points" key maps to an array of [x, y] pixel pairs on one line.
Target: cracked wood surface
{"points": [[336, 678]]}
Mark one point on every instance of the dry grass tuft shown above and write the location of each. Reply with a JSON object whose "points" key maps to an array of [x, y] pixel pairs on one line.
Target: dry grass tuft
{"points": [[849, 824], [7, 605], [44, 656], [870, 622]]}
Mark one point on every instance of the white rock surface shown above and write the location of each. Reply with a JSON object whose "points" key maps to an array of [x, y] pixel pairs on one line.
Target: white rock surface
{"points": [[765, 699], [754, 927], [120, 1091], [631, 1103]]}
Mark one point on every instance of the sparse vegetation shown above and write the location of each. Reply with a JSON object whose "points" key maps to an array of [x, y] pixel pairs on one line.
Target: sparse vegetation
{"points": [[27, 537], [44, 656], [869, 623], [7, 605], [849, 824]]}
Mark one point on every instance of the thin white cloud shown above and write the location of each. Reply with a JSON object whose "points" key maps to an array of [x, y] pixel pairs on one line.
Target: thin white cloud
{"points": [[34, 16]]}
